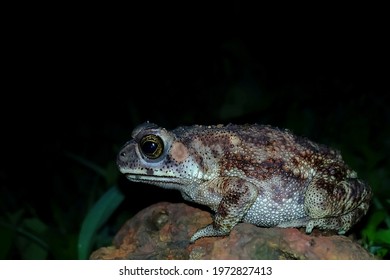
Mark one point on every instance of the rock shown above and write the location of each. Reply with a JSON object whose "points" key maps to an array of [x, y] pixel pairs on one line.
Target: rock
{"points": [[163, 231]]}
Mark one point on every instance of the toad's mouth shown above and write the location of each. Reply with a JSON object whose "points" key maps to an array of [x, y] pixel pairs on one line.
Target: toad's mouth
{"points": [[158, 180]]}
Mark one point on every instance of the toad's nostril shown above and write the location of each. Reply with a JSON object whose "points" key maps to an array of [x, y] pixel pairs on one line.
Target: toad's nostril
{"points": [[121, 159]]}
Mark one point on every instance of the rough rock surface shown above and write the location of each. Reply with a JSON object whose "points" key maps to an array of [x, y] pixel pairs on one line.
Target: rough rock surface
{"points": [[163, 231]]}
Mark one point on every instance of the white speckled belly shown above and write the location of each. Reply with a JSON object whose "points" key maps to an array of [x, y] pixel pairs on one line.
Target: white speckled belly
{"points": [[266, 212]]}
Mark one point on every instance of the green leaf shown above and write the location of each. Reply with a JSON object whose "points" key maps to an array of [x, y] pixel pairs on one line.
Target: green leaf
{"points": [[95, 218], [32, 250], [382, 236], [375, 219], [6, 237], [88, 164], [35, 225], [27, 235]]}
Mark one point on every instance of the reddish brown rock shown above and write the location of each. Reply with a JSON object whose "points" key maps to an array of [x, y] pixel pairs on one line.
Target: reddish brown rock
{"points": [[163, 231]]}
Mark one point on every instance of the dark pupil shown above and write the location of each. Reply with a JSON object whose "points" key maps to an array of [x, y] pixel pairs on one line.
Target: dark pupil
{"points": [[152, 146], [149, 147]]}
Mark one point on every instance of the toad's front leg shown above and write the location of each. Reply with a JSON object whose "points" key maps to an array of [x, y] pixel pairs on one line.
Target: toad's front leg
{"points": [[238, 196]]}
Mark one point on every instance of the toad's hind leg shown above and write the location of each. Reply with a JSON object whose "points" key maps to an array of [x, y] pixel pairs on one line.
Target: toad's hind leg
{"points": [[336, 206], [341, 223]]}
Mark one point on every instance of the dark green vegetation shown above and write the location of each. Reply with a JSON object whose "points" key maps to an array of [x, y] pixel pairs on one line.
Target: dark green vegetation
{"points": [[61, 193]]}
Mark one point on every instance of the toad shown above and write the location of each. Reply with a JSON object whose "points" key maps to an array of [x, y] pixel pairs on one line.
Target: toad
{"points": [[248, 173]]}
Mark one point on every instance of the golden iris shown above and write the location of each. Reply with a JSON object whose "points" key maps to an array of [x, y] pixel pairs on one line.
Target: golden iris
{"points": [[152, 146]]}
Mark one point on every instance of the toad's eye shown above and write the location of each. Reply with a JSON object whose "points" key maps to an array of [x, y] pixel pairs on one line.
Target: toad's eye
{"points": [[151, 146]]}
